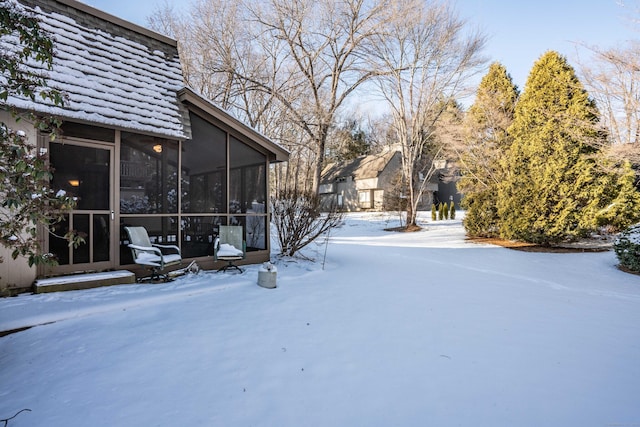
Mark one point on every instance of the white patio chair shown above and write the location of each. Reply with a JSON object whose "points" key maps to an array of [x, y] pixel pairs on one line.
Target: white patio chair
{"points": [[150, 254], [230, 246]]}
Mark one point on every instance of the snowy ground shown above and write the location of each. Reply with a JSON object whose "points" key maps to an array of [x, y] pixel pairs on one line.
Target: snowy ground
{"points": [[399, 329]]}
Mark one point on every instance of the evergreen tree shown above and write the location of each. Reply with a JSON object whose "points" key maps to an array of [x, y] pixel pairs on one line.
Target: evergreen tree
{"points": [[624, 207], [548, 193], [485, 142], [349, 142]]}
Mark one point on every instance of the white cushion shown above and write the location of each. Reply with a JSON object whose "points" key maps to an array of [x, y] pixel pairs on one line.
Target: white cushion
{"points": [[226, 249], [146, 258]]}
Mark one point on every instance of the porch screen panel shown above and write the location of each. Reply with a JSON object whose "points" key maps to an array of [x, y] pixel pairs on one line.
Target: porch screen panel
{"points": [[248, 192], [57, 245], [256, 227], [199, 233], [148, 175], [81, 225], [82, 172], [204, 169], [101, 237], [161, 229]]}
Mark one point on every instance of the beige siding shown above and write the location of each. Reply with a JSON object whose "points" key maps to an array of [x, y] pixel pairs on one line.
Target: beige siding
{"points": [[367, 184], [16, 273]]}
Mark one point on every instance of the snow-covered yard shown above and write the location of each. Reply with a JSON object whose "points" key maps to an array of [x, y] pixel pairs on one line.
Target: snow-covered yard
{"points": [[399, 329]]}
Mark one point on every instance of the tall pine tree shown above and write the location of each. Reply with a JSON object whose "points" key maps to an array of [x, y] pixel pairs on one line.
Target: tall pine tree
{"points": [[550, 193], [485, 142]]}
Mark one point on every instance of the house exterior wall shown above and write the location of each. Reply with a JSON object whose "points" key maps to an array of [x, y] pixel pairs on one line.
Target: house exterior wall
{"points": [[366, 184], [180, 212], [383, 194], [15, 273], [447, 192], [348, 192], [387, 182], [381, 186], [134, 135]]}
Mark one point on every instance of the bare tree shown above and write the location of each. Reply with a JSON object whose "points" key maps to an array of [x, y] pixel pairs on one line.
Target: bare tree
{"points": [[425, 56], [613, 78], [321, 56], [241, 67]]}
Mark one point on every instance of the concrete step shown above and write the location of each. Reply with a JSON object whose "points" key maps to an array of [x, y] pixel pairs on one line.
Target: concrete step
{"points": [[83, 281]]}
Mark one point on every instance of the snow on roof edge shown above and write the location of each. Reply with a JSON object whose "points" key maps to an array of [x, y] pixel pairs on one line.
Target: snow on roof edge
{"points": [[118, 21]]}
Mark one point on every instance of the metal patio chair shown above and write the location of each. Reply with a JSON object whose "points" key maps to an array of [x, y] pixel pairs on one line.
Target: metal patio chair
{"points": [[151, 255], [230, 246]]}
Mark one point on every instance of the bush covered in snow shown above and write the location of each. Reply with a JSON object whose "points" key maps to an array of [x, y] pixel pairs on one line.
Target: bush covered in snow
{"points": [[627, 248]]}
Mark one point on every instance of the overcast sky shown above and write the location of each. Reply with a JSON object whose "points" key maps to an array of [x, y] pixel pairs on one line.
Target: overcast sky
{"points": [[519, 31]]}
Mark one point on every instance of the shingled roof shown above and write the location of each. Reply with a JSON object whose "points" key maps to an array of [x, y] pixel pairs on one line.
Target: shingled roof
{"points": [[114, 73], [362, 167]]}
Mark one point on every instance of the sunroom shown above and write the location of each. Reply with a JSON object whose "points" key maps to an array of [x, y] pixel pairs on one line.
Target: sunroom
{"points": [[137, 147], [181, 191]]}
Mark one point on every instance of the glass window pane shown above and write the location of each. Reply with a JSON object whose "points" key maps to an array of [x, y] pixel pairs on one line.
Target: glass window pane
{"points": [[204, 169], [82, 172], [148, 174]]}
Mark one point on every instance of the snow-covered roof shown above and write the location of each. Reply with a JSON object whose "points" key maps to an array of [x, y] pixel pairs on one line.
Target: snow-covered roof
{"points": [[362, 167], [114, 73]]}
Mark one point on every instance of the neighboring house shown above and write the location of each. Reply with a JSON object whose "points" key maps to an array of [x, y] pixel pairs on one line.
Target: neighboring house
{"points": [[139, 148], [371, 183], [364, 183]]}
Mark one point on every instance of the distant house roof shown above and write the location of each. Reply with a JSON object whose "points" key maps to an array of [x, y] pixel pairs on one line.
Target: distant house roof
{"points": [[362, 167], [114, 73]]}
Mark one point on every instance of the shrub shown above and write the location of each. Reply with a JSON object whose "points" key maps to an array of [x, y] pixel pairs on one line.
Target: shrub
{"points": [[434, 214], [481, 214], [298, 220], [627, 248], [452, 211]]}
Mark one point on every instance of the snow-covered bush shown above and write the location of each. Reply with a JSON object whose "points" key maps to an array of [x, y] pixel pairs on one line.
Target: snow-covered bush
{"points": [[627, 248]]}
